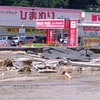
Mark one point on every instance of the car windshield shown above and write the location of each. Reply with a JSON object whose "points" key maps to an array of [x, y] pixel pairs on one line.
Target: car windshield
{"points": [[4, 38], [22, 38], [0, 38], [10, 38]]}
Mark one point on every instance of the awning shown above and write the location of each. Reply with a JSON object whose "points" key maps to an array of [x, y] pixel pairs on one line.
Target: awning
{"points": [[89, 24]]}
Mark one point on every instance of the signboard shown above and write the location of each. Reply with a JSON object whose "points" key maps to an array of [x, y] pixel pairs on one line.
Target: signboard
{"points": [[73, 34], [95, 18], [21, 31], [90, 31], [67, 24], [16, 16], [13, 30], [50, 24], [91, 42]]}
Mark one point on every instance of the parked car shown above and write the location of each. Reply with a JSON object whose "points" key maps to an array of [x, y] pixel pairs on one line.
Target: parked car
{"points": [[23, 39], [41, 39], [6, 40]]}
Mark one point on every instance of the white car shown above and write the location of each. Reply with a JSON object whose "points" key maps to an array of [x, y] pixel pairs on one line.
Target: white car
{"points": [[6, 40]]}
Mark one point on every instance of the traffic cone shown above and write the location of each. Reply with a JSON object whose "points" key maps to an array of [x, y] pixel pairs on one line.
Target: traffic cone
{"points": [[31, 44], [2, 44], [8, 45], [43, 45], [19, 45]]}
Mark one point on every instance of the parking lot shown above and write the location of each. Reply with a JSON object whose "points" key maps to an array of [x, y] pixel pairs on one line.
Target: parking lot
{"points": [[6, 41]]}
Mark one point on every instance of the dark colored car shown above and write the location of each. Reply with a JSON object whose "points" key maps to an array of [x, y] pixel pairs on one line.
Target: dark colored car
{"points": [[41, 39]]}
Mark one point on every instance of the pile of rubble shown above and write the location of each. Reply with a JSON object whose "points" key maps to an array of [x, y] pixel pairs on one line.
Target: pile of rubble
{"points": [[53, 60]]}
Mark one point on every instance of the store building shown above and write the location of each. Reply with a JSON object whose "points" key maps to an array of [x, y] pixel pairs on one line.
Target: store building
{"points": [[22, 20], [89, 29]]}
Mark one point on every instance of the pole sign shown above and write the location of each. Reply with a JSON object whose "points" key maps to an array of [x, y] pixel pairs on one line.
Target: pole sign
{"points": [[49, 36], [21, 31], [50, 24], [73, 34]]}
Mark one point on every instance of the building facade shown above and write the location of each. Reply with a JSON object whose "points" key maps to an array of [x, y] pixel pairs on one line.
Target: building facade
{"points": [[89, 29], [17, 20]]}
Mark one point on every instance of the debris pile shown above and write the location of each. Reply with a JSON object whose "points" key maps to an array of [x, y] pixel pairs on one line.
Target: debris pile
{"points": [[54, 60]]}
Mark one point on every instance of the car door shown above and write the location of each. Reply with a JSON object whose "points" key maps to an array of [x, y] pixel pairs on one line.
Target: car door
{"points": [[26, 40], [4, 40], [9, 40], [29, 39]]}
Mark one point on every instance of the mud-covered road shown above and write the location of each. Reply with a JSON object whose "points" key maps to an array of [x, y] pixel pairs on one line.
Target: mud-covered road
{"points": [[82, 86]]}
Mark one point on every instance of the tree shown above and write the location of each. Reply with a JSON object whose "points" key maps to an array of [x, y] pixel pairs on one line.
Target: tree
{"points": [[98, 2], [72, 4], [24, 3], [6, 2], [49, 3], [81, 4]]}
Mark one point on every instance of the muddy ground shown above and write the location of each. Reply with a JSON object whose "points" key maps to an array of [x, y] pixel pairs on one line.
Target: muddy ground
{"points": [[48, 86], [35, 86]]}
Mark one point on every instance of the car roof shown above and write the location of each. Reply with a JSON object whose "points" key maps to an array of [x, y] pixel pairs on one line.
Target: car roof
{"points": [[22, 36]]}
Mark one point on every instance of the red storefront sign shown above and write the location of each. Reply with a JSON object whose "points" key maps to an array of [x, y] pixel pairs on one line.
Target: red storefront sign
{"points": [[50, 24], [72, 34], [95, 18], [67, 24], [91, 28]]}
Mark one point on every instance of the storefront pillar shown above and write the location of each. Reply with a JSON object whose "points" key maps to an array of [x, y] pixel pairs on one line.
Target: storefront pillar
{"points": [[49, 36], [73, 35]]}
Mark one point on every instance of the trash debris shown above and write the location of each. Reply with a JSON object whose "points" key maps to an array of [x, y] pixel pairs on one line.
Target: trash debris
{"points": [[51, 60], [26, 69]]}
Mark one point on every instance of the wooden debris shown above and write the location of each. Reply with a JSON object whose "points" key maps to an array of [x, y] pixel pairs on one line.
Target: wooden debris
{"points": [[68, 75], [19, 63], [28, 62], [66, 71], [25, 69], [92, 64], [7, 62], [47, 71]]}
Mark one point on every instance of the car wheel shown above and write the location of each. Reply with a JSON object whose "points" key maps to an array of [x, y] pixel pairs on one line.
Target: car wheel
{"points": [[19, 43], [34, 41]]}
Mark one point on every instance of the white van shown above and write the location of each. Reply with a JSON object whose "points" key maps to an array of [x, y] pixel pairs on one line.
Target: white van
{"points": [[6, 40]]}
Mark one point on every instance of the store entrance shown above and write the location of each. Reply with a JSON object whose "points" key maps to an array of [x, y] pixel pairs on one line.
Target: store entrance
{"points": [[59, 24]]}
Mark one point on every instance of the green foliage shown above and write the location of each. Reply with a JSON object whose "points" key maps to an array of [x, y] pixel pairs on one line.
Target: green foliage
{"points": [[49, 3], [6, 2], [23, 3], [98, 2], [36, 3], [73, 4], [81, 4]]}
